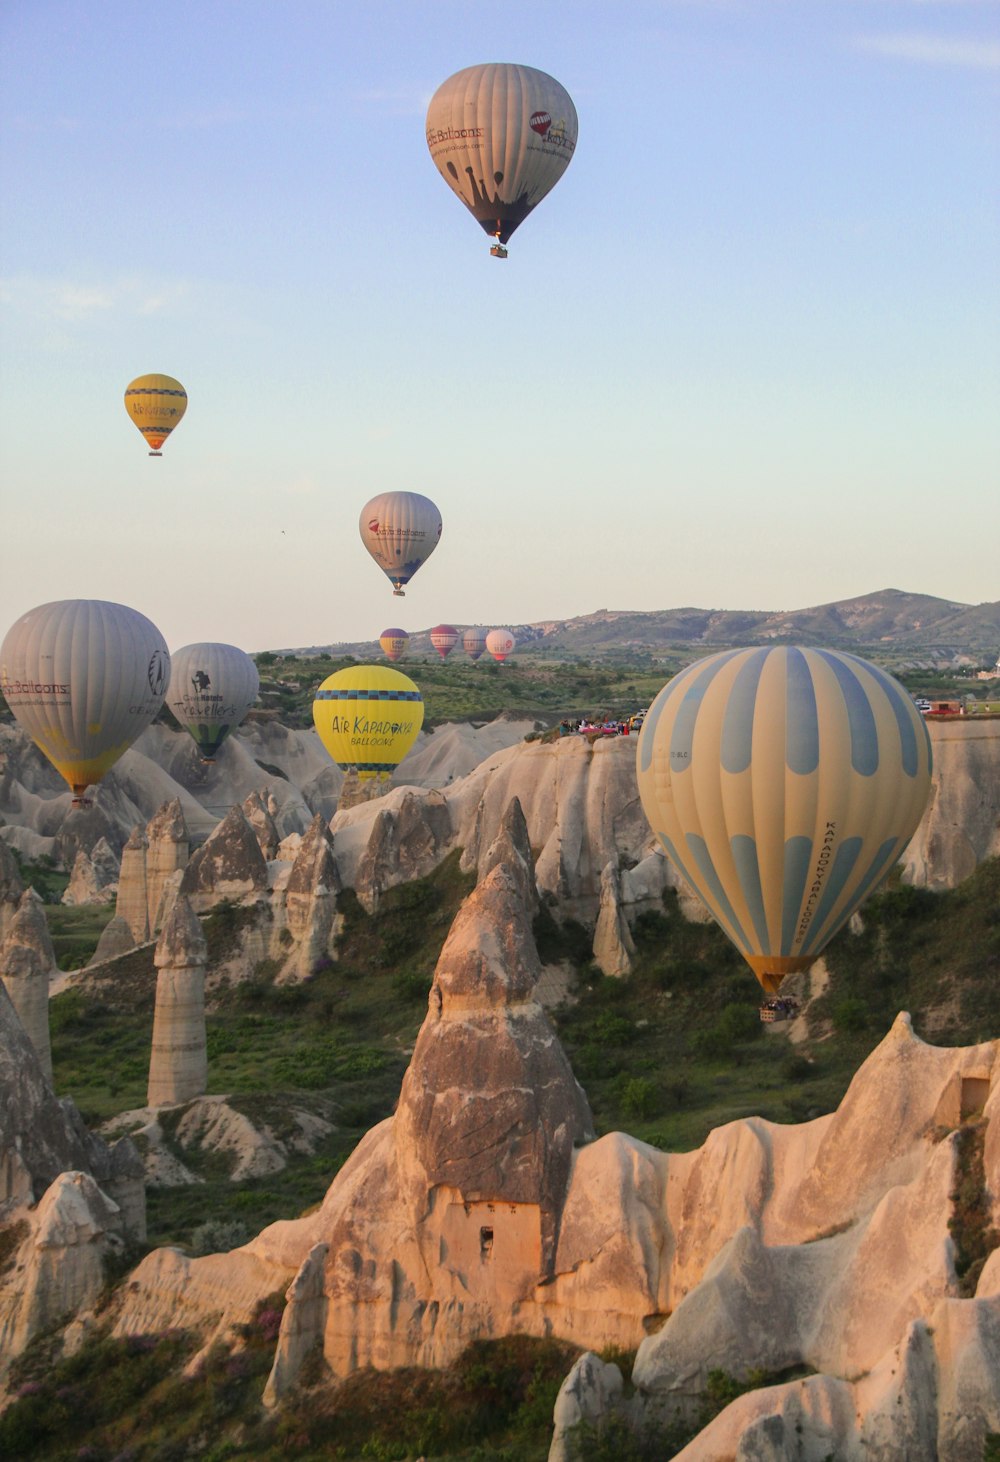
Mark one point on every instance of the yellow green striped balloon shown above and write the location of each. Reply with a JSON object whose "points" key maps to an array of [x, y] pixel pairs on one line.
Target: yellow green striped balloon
{"points": [[783, 784]]}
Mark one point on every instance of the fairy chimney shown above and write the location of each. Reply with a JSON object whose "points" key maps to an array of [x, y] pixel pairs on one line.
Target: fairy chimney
{"points": [[26, 963], [230, 865], [311, 900], [178, 1066], [133, 903], [167, 853]]}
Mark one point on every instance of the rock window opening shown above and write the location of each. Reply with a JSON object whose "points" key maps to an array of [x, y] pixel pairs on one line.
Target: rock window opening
{"points": [[485, 1242], [975, 1090]]}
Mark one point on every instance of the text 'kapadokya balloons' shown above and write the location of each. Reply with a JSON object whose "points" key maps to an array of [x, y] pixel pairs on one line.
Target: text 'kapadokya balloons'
{"points": [[156, 405], [444, 638], [474, 643], [367, 717], [500, 643], [400, 530], [501, 136], [83, 678], [394, 643], [212, 687], [783, 784]]}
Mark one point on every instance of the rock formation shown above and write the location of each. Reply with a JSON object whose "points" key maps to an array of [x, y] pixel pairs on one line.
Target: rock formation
{"points": [[512, 848], [230, 865], [407, 840], [116, 938], [260, 816], [310, 902], [27, 962], [94, 878], [11, 888], [613, 943], [133, 897], [961, 826], [178, 1066], [167, 847]]}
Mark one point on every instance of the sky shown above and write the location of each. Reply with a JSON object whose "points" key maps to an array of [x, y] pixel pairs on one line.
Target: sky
{"points": [[744, 355]]}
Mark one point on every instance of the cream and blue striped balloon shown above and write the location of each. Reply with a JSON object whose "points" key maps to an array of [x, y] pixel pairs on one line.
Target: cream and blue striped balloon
{"points": [[783, 784]]}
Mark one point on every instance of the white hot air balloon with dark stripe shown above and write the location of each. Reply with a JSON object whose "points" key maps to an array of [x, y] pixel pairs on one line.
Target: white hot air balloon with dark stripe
{"points": [[400, 530], [501, 136], [783, 784], [212, 686], [84, 678]]}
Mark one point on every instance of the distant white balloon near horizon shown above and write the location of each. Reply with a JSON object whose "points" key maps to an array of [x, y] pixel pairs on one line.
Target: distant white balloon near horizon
{"points": [[400, 530], [212, 686], [500, 643], [501, 135], [84, 678], [474, 642]]}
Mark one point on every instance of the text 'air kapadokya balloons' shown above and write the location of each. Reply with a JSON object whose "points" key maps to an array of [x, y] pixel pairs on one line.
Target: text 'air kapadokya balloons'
{"points": [[394, 643], [83, 678], [500, 643], [444, 638], [155, 404], [474, 643], [783, 784], [368, 717], [501, 136], [212, 687], [400, 530]]}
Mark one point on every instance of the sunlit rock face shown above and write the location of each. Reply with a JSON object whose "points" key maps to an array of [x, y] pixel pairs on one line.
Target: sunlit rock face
{"points": [[961, 826], [230, 865], [259, 809], [166, 858], [178, 1066], [94, 876], [407, 840], [307, 906]]}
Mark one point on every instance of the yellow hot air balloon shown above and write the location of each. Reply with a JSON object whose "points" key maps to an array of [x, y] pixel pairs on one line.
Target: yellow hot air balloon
{"points": [[83, 678], [368, 717], [394, 643], [501, 136], [783, 784], [155, 404]]}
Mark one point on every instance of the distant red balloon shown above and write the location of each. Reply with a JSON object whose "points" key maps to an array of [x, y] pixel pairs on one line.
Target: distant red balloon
{"points": [[500, 643], [444, 638]]}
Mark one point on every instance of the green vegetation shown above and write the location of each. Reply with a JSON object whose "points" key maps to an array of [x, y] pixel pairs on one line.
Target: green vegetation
{"points": [[75, 931], [458, 690]]}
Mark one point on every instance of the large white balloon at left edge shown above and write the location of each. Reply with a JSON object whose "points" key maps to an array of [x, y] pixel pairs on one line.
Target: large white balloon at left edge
{"points": [[83, 678], [501, 136], [212, 686]]}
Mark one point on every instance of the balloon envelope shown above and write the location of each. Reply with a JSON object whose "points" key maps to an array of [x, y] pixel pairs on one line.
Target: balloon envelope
{"points": [[83, 678], [783, 784], [474, 643], [212, 687], [444, 638], [367, 717], [501, 136], [155, 404], [400, 530], [394, 643], [500, 643]]}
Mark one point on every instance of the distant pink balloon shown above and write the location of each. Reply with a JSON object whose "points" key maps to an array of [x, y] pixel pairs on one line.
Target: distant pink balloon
{"points": [[444, 638], [500, 643]]}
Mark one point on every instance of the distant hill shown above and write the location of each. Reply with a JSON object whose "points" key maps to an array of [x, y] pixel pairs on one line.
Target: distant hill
{"points": [[897, 627]]}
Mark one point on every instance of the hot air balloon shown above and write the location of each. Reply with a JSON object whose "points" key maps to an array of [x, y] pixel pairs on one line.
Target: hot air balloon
{"points": [[783, 785], [83, 678], [400, 530], [368, 717], [444, 638], [501, 136], [394, 643], [474, 643], [500, 643], [156, 404], [211, 689]]}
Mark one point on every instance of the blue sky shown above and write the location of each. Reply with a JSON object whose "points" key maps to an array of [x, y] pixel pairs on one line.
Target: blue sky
{"points": [[744, 355]]}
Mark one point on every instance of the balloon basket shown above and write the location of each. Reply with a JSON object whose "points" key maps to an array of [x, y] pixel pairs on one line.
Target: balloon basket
{"points": [[156, 454], [399, 593], [498, 251]]}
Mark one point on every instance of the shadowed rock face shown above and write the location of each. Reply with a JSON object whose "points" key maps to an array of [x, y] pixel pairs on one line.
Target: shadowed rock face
{"points": [[311, 901], [489, 1105], [406, 841], [11, 887], [229, 865]]}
